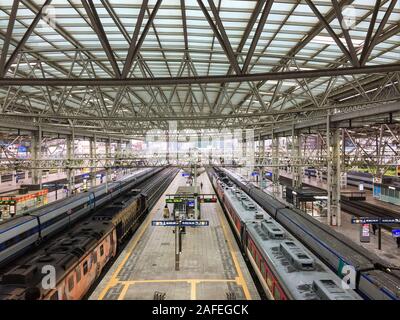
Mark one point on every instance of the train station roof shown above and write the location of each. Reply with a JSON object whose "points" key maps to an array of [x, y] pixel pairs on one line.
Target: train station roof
{"points": [[127, 66]]}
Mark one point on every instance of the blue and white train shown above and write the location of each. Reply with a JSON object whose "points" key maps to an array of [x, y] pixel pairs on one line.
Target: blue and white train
{"points": [[22, 232]]}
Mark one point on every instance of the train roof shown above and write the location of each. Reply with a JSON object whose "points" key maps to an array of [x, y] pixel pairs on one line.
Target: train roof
{"points": [[66, 201], [301, 272], [61, 253], [11, 223]]}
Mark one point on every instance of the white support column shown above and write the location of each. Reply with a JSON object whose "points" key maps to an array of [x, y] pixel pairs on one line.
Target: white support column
{"points": [[296, 159], [70, 141], [93, 162], [108, 156], [261, 154], [36, 156], [118, 157], [168, 145], [333, 176], [275, 163]]}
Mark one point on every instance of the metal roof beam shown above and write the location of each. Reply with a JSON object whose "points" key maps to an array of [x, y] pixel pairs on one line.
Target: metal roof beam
{"points": [[378, 32], [259, 30], [134, 47], [98, 28], [8, 37], [25, 37], [304, 74]]}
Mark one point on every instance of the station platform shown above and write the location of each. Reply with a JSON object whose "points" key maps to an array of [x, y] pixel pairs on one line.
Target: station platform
{"points": [[211, 264], [313, 181], [389, 250]]}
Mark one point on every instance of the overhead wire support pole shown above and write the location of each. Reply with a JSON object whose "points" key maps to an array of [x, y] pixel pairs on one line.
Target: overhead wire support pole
{"points": [[296, 159], [333, 174], [275, 163]]}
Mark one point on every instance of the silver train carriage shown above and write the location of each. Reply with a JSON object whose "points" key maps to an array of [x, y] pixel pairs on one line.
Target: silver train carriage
{"points": [[286, 269]]}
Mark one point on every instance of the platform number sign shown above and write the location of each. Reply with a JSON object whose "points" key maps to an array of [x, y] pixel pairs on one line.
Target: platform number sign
{"points": [[396, 233], [182, 223]]}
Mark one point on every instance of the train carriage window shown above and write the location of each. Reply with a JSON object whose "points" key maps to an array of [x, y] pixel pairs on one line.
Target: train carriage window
{"points": [[258, 259], [71, 283], [263, 269], [54, 296], [94, 257], [277, 292], [85, 268], [78, 274], [269, 280], [101, 250]]}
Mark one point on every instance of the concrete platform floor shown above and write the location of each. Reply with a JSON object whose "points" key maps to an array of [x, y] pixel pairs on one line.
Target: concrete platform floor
{"points": [[211, 264]]}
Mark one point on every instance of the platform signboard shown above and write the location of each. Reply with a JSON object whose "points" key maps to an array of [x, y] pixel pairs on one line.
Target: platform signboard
{"points": [[182, 223], [204, 198], [396, 233], [164, 223], [364, 220], [22, 149], [195, 223], [175, 200], [375, 220], [185, 174], [364, 233]]}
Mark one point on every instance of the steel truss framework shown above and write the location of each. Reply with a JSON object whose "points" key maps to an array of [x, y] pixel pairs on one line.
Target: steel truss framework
{"points": [[376, 148], [112, 68]]}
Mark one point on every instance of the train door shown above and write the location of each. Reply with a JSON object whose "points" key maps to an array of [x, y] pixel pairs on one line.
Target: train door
{"points": [[143, 204], [92, 200], [243, 237]]}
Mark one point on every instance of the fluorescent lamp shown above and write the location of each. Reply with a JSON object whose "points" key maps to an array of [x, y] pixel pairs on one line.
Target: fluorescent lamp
{"points": [[329, 40]]}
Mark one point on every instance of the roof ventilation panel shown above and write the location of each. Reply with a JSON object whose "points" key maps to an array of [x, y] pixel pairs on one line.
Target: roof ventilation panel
{"points": [[248, 205], [297, 256], [258, 215], [273, 230], [327, 289]]}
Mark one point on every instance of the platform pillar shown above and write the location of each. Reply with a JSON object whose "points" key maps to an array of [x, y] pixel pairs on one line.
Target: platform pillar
{"points": [[70, 141], [333, 174], [167, 146], [93, 161], [261, 152], [118, 157], [108, 156], [275, 163], [296, 159], [36, 156]]}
